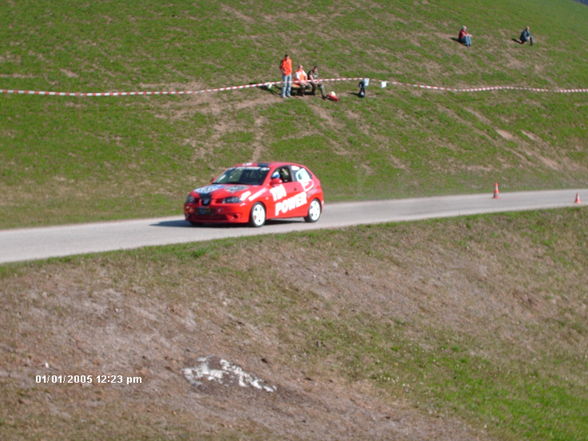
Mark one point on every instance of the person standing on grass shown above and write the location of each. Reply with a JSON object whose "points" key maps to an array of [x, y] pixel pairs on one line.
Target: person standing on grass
{"points": [[286, 69], [526, 36], [464, 37]]}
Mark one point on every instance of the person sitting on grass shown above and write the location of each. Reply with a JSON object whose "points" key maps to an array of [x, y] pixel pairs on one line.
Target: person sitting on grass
{"points": [[313, 76], [526, 36], [464, 37], [301, 79]]}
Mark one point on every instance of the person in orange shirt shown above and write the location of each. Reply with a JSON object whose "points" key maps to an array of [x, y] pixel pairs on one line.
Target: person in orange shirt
{"points": [[301, 79], [286, 69]]}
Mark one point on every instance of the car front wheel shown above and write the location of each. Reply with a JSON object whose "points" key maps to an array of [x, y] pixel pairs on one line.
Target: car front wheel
{"points": [[257, 216], [314, 211]]}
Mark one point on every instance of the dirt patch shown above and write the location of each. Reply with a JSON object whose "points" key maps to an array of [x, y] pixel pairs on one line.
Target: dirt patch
{"points": [[260, 101], [17, 75], [238, 15], [532, 136], [506, 135], [69, 73], [478, 115], [463, 121], [550, 163], [328, 119], [129, 331], [542, 152], [214, 106], [516, 64], [258, 143]]}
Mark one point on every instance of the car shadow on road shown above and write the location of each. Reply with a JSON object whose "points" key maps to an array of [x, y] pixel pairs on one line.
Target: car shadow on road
{"points": [[180, 223]]}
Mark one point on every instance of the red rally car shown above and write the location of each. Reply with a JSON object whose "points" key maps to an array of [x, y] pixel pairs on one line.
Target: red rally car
{"points": [[255, 192]]}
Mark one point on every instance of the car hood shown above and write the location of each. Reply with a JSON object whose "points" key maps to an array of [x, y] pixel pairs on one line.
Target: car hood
{"points": [[219, 191]]}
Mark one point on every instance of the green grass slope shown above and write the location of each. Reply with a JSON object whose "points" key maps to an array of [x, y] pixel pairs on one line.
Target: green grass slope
{"points": [[78, 159], [455, 330]]}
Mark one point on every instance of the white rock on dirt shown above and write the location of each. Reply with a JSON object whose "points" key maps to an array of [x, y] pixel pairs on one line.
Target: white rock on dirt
{"points": [[224, 372]]}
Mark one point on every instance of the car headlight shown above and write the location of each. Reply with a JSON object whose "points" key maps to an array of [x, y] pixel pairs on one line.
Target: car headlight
{"points": [[231, 200], [190, 199]]}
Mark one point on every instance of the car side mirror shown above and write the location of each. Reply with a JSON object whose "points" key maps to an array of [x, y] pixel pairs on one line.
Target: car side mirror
{"points": [[212, 180], [275, 181]]}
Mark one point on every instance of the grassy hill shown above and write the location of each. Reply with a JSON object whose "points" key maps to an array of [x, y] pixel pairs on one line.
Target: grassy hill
{"points": [[79, 159], [457, 329]]}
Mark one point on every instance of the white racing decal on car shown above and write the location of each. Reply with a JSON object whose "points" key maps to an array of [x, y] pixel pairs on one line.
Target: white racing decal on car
{"points": [[278, 192], [209, 188], [235, 188], [215, 187], [291, 203], [245, 195], [307, 185], [256, 195]]}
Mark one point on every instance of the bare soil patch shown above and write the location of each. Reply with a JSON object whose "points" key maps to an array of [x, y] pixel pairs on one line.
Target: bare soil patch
{"points": [[67, 323]]}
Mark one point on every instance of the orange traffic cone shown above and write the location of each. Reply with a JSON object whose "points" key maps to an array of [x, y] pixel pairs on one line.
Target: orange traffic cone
{"points": [[496, 191], [577, 200]]}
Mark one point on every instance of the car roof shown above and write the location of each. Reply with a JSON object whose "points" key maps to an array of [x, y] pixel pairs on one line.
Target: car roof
{"points": [[272, 164]]}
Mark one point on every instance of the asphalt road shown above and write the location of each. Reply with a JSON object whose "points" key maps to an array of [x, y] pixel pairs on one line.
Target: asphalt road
{"points": [[39, 243]]}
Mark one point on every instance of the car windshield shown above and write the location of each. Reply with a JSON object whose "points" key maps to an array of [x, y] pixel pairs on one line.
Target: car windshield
{"points": [[243, 175]]}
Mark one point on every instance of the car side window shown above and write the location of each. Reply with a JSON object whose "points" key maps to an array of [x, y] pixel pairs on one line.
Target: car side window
{"points": [[302, 175], [285, 174]]}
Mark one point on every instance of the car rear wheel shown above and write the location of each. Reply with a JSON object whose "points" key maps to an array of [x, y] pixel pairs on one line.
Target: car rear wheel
{"points": [[314, 211], [257, 216]]}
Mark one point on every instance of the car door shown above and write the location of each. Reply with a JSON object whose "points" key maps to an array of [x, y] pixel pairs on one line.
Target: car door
{"points": [[305, 188], [288, 196]]}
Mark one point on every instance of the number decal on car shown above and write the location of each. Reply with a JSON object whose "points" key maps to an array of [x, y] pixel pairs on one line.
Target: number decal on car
{"points": [[278, 192]]}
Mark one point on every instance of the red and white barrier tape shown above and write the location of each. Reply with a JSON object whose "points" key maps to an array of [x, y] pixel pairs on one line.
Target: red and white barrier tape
{"points": [[152, 93], [272, 83], [488, 88]]}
